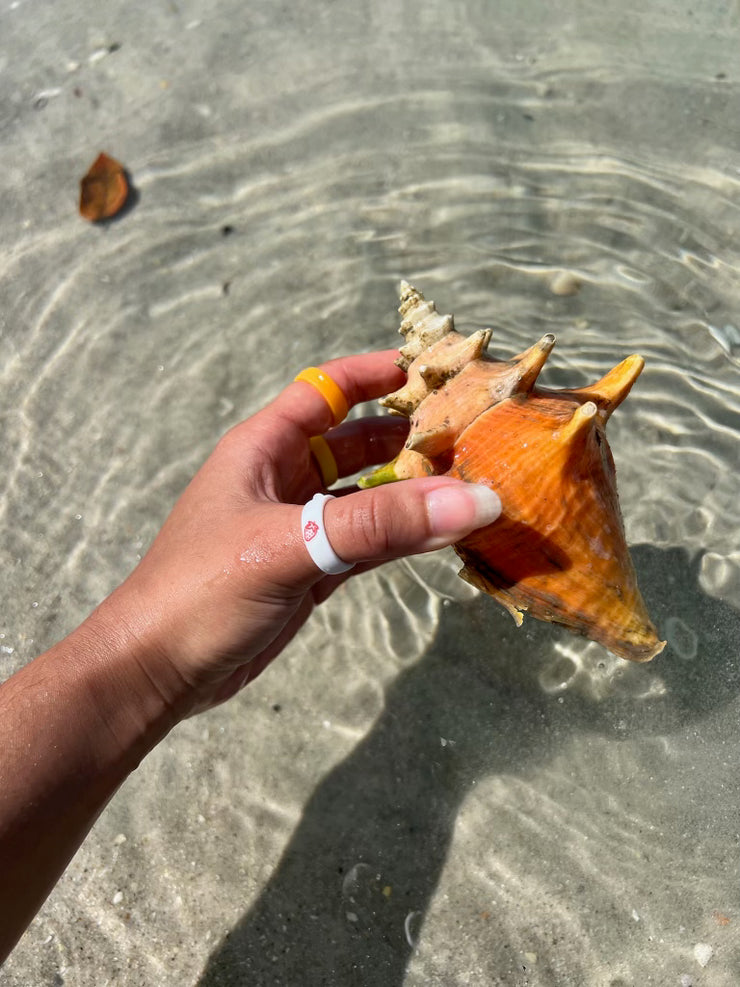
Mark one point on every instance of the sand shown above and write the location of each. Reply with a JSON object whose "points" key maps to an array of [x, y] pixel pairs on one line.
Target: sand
{"points": [[416, 793]]}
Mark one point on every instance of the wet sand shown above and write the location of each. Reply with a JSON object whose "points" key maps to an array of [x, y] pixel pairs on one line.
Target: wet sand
{"points": [[416, 793]]}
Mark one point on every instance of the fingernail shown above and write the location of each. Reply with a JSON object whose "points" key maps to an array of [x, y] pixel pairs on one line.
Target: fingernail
{"points": [[487, 504], [457, 509]]}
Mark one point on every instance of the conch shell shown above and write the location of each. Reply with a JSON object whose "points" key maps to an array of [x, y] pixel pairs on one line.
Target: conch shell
{"points": [[558, 551]]}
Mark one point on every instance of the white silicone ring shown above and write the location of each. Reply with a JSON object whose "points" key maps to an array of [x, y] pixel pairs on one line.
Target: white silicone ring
{"points": [[315, 538]]}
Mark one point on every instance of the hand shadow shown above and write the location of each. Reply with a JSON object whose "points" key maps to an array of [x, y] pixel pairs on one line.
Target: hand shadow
{"points": [[353, 885]]}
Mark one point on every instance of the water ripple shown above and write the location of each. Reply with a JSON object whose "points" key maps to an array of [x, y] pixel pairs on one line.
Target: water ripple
{"points": [[290, 169]]}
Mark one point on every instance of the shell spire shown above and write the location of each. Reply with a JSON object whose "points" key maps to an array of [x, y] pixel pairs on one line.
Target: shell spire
{"points": [[558, 551], [433, 367], [421, 324]]}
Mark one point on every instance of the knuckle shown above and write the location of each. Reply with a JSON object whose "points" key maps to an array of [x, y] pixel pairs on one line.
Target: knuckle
{"points": [[371, 529]]}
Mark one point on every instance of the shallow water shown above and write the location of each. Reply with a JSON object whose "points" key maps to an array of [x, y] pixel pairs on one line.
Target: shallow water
{"points": [[417, 793]]}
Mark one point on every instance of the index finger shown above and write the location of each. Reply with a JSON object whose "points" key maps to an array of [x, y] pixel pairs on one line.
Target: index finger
{"points": [[361, 378]]}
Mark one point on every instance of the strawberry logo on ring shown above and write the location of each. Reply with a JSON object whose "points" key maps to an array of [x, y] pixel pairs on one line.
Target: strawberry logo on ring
{"points": [[309, 530]]}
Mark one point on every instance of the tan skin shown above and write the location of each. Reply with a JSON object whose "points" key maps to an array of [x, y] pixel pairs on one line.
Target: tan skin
{"points": [[224, 587]]}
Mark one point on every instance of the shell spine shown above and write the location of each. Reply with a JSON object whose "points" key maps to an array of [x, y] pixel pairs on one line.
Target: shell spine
{"points": [[558, 551]]}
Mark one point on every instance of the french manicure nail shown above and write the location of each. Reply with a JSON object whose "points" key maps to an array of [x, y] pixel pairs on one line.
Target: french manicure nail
{"points": [[458, 509], [487, 504]]}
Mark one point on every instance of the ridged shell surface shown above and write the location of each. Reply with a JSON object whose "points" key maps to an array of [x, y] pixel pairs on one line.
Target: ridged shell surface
{"points": [[558, 551]]}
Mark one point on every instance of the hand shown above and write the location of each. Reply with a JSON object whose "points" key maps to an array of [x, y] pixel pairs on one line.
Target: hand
{"points": [[229, 581], [226, 584]]}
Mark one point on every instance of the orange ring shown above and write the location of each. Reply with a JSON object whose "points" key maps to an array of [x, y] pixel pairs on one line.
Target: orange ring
{"points": [[330, 391], [325, 459]]}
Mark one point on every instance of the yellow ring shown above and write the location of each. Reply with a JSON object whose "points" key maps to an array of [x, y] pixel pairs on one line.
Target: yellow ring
{"points": [[330, 391], [325, 458]]}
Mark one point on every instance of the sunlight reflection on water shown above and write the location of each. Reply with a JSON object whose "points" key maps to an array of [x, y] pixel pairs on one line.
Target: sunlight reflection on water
{"points": [[533, 172]]}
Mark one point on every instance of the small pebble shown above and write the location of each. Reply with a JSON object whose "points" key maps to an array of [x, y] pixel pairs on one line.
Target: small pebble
{"points": [[703, 953], [118, 840], [565, 283], [118, 898]]}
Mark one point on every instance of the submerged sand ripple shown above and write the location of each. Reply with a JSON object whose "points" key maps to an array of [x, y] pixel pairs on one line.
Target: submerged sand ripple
{"points": [[512, 808]]}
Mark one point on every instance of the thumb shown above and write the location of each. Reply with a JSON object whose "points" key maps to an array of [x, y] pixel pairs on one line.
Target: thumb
{"points": [[407, 518]]}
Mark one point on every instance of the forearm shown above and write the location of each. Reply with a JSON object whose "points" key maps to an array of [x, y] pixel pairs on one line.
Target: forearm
{"points": [[73, 724], [225, 585]]}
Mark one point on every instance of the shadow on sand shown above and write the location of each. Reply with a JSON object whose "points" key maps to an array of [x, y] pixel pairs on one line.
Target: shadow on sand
{"points": [[384, 818]]}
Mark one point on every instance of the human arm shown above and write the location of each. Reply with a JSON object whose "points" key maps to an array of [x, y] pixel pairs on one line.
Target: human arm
{"points": [[225, 585]]}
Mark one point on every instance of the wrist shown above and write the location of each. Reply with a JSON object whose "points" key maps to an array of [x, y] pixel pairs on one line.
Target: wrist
{"points": [[136, 698]]}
